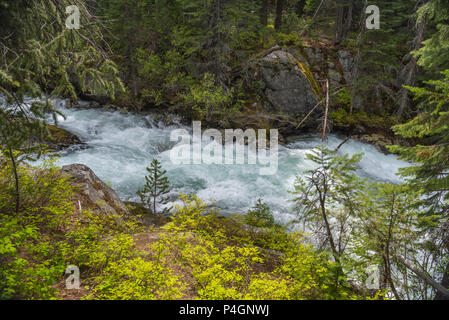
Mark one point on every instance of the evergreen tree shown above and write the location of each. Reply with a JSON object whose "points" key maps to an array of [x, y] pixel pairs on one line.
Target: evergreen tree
{"points": [[42, 56], [434, 54], [155, 188], [260, 215], [380, 54], [430, 171], [431, 156], [385, 230], [325, 198]]}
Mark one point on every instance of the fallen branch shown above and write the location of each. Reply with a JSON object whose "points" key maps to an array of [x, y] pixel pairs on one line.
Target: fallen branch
{"points": [[313, 109], [327, 110], [342, 143], [421, 274]]}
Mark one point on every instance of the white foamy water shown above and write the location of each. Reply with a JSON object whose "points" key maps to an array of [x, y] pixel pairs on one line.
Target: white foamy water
{"points": [[121, 146]]}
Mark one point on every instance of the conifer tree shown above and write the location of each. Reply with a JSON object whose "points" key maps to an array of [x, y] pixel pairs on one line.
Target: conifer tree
{"points": [[44, 57], [430, 170], [325, 197], [260, 215], [434, 54], [156, 187]]}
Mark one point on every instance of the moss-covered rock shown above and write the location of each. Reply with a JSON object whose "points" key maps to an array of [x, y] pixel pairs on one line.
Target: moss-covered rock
{"points": [[287, 84], [61, 138]]}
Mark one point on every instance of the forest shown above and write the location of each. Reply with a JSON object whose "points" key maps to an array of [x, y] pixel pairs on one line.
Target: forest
{"points": [[351, 96]]}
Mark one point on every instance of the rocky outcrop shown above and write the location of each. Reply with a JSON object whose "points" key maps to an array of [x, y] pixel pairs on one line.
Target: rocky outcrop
{"points": [[324, 62], [92, 193], [61, 139], [286, 84], [378, 140]]}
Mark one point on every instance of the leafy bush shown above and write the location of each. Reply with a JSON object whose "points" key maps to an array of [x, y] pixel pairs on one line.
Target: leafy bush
{"points": [[137, 279], [30, 259]]}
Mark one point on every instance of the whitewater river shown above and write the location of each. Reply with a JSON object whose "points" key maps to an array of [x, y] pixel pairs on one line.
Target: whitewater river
{"points": [[120, 147]]}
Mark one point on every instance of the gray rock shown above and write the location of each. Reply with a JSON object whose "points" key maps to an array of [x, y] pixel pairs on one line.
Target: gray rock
{"points": [[285, 85], [346, 60], [93, 193]]}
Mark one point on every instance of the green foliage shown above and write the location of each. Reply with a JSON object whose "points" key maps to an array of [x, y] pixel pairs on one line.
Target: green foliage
{"points": [[381, 56], [183, 53], [434, 54], [344, 98], [388, 225], [206, 98], [43, 57], [430, 157], [342, 118], [31, 261], [223, 260], [260, 216], [37, 244], [155, 188], [137, 279], [325, 197]]}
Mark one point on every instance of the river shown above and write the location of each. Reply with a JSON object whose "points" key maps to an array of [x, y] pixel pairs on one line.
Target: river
{"points": [[120, 146]]}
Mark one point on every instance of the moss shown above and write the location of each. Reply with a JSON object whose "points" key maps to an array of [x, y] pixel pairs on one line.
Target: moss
{"points": [[309, 76], [343, 119], [60, 138]]}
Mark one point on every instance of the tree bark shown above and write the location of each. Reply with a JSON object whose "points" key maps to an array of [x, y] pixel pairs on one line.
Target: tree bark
{"points": [[357, 101], [16, 178], [326, 111], [408, 72], [279, 11], [344, 20], [442, 292], [445, 284], [264, 12]]}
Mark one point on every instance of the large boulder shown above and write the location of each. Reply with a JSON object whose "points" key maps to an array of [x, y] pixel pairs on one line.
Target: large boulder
{"points": [[61, 139], [286, 85], [92, 193]]}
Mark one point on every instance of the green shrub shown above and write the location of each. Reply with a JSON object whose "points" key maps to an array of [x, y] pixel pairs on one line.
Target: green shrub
{"points": [[137, 279]]}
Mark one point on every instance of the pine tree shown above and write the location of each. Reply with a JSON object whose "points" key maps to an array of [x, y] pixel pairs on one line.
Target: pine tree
{"points": [[260, 215], [430, 170], [431, 156], [434, 54], [325, 198], [155, 188], [380, 53], [42, 56]]}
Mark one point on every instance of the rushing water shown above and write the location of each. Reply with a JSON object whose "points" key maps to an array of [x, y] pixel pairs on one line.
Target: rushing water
{"points": [[121, 146]]}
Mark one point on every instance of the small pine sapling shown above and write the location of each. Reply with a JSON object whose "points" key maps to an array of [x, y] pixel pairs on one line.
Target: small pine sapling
{"points": [[260, 216], [155, 189]]}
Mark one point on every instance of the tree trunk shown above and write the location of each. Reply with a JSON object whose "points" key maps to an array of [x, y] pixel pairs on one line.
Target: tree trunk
{"points": [[279, 11], [16, 179], [407, 74], [300, 5], [344, 20], [445, 284], [357, 101], [442, 291], [264, 12]]}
